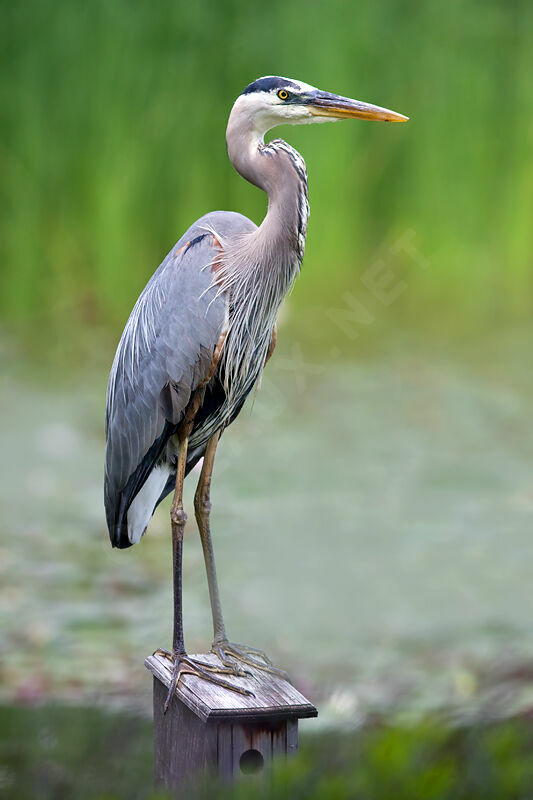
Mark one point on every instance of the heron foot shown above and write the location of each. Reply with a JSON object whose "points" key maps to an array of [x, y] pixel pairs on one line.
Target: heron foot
{"points": [[185, 665], [230, 653], [228, 669]]}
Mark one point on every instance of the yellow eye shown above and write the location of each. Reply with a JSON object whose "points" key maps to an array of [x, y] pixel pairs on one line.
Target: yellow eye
{"points": [[282, 94]]}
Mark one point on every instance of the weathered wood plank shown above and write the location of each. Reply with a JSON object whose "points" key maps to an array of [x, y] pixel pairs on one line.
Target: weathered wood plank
{"points": [[179, 741], [292, 737], [272, 695], [224, 760]]}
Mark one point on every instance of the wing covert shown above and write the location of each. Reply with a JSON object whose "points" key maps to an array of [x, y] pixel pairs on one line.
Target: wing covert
{"points": [[164, 354]]}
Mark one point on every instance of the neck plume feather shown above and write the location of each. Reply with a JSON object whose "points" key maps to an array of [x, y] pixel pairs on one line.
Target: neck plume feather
{"points": [[256, 270]]}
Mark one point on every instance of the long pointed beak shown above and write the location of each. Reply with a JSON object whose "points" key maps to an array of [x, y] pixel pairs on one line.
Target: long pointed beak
{"points": [[324, 104]]}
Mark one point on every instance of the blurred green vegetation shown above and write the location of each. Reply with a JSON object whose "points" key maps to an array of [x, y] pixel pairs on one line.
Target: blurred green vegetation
{"points": [[82, 753], [112, 120]]}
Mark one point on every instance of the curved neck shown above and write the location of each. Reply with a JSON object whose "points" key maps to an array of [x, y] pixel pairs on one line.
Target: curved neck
{"points": [[280, 171]]}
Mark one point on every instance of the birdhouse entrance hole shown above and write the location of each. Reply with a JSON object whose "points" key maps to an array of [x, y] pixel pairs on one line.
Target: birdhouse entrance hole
{"points": [[251, 762]]}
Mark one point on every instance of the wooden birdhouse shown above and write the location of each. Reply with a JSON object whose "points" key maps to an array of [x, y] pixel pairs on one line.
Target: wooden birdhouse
{"points": [[209, 729]]}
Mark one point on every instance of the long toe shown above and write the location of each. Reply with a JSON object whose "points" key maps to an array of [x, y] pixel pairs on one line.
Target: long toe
{"points": [[210, 674], [230, 663], [228, 652], [245, 649], [176, 674], [227, 668], [185, 665], [164, 653]]}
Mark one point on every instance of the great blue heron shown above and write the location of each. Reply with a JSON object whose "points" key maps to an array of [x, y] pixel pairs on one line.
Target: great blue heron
{"points": [[198, 338]]}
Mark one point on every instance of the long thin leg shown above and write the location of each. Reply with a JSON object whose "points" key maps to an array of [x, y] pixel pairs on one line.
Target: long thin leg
{"points": [[202, 507], [178, 518], [181, 661], [221, 646]]}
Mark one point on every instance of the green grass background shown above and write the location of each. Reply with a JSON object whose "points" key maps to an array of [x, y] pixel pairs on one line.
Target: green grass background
{"points": [[112, 121]]}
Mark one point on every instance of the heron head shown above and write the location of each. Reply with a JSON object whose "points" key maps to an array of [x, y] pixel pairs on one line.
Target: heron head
{"points": [[272, 101]]}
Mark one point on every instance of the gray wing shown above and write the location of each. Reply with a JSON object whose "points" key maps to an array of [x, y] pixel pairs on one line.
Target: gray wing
{"points": [[165, 353]]}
